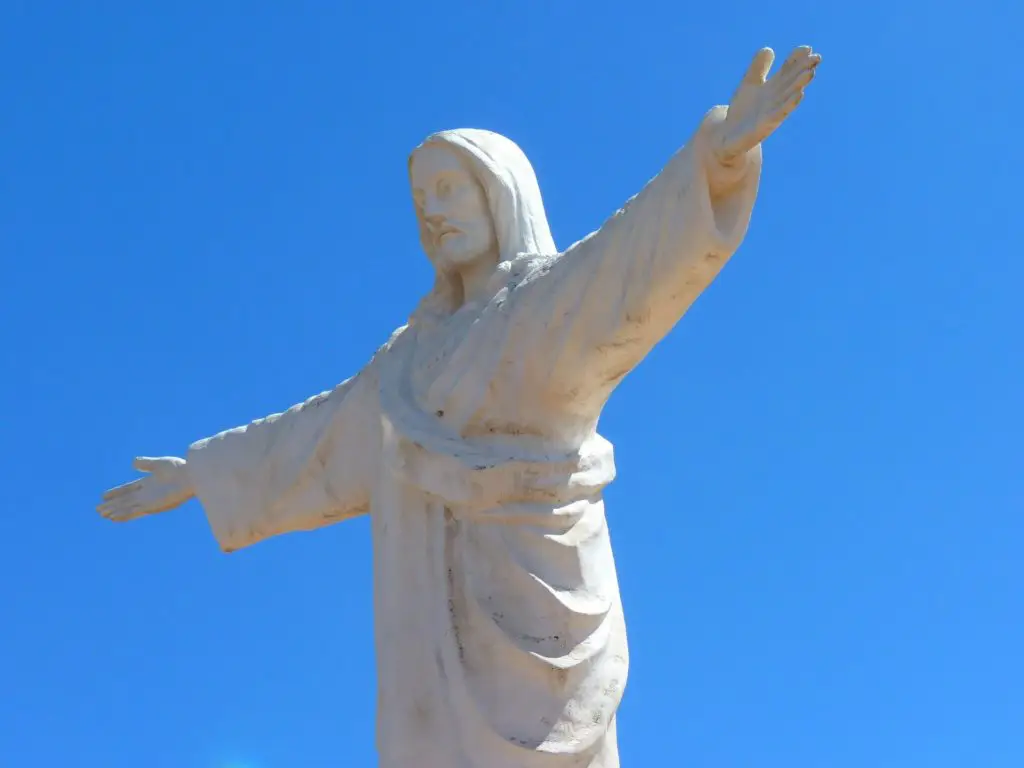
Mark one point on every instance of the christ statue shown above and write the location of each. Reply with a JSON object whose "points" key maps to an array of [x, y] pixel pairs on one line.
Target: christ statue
{"points": [[470, 439]]}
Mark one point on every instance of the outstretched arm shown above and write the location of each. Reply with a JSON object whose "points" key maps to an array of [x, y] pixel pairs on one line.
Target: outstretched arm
{"points": [[298, 470], [613, 295]]}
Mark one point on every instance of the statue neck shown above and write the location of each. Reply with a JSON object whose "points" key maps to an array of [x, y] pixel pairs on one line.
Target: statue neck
{"points": [[473, 280]]}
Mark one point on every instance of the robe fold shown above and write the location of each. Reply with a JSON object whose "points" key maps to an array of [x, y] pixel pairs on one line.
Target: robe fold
{"points": [[471, 441]]}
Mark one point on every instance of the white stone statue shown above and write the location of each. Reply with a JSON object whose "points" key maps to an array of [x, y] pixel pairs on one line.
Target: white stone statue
{"points": [[470, 439]]}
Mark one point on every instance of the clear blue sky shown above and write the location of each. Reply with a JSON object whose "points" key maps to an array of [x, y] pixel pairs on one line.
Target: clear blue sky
{"points": [[818, 523]]}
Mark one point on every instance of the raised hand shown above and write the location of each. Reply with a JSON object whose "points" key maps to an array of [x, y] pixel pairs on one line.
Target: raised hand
{"points": [[166, 486], [760, 104]]}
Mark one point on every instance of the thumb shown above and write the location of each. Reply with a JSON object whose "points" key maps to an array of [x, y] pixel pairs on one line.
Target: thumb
{"points": [[759, 67], [155, 465]]}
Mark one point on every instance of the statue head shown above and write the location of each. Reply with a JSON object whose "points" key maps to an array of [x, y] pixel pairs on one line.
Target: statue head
{"points": [[477, 199], [456, 227]]}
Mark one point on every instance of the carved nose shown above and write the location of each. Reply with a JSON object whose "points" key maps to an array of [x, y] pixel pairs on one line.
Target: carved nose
{"points": [[435, 225]]}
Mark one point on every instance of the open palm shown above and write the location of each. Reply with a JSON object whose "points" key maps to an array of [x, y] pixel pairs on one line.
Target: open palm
{"points": [[165, 486], [760, 104]]}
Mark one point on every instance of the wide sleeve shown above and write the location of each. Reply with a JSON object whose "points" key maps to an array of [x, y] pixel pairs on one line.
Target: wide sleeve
{"points": [[596, 310], [294, 471]]}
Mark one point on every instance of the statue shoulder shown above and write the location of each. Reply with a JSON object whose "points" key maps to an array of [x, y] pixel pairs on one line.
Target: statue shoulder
{"points": [[387, 346], [395, 334]]}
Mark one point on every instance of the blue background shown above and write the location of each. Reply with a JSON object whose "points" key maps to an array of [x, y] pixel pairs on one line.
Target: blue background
{"points": [[204, 218]]}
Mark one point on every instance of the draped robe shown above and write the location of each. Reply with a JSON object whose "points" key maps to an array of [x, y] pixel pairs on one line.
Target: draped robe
{"points": [[471, 441]]}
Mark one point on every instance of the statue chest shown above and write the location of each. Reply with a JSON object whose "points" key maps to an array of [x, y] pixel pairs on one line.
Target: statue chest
{"points": [[466, 375]]}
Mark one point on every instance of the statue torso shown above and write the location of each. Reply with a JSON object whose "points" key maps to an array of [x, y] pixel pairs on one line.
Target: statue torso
{"points": [[476, 376]]}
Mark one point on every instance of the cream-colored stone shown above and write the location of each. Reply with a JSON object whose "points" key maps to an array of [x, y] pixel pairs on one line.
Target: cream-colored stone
{"points": [[471, 440]]}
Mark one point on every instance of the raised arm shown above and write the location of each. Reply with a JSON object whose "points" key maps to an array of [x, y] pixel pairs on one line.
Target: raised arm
{"points": [[307, 467], [612, 296]]}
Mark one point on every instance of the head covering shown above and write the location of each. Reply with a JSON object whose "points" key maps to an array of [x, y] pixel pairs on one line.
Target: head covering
{"points": [[513, 198]]}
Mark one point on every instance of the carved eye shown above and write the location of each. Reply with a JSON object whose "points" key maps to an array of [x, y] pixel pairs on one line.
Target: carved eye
{"points": [[444, 189]]}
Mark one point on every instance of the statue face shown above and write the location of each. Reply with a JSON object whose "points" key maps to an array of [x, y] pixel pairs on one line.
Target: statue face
{"points": [[453, 208]]}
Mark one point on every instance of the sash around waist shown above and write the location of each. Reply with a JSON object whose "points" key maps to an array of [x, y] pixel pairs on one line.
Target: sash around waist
{"points": [[476, 480]]}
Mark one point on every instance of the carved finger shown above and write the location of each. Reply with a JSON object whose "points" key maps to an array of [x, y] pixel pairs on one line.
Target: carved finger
{"points": [[783, 92], [783, 109], [797, 58], [808, 71], [797, 86], [121, 490], [118, 511], [798, 81], [802, 75]]}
